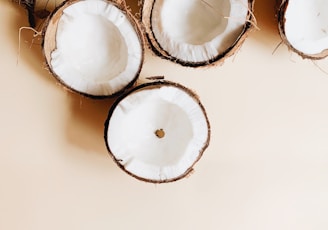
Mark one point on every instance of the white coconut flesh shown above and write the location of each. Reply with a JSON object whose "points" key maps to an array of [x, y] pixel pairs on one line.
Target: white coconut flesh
{"points": [[306, 25], [198, 30], [98, 51], [158, 134]]}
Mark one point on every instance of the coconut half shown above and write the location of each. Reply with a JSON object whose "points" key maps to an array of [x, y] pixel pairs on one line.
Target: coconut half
{"points": [[303, 26], [196, 32], [93, 47], [157, 131]]}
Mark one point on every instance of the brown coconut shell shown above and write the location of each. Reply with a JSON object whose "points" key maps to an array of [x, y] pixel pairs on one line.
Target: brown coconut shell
{"points": [[152, 85], [147, 7], [49, 42], [281, 7]]}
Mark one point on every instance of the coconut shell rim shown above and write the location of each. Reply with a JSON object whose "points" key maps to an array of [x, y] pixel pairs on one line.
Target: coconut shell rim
{"points": [[135, 24], [157, 49], [157, 84], [281, 10]]}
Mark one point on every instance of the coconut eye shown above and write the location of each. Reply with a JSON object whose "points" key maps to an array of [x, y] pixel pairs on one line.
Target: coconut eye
{"points": [[157, 132], [196, 32], [93, 47], [303, 26]]}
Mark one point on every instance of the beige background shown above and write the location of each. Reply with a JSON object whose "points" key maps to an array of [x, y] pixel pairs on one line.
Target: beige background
{"points": [[265, 168]]}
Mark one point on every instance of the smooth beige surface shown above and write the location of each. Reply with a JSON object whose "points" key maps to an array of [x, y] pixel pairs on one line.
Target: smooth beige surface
{"points": [[266, 167]]}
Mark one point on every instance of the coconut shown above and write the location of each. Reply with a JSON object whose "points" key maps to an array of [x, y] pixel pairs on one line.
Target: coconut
{"points": [[196, 32], [303, 26], [157, 131], [93, 47]]}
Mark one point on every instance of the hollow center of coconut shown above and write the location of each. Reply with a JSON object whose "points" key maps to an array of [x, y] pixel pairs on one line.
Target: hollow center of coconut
{"points": [[157, 134], [198, 30], [96, 49], [306, 25], [92, 45], [160, 133]]}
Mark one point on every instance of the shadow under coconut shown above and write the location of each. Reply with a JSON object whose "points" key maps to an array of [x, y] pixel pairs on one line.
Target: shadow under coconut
{"points": [[85, 124], [265, 13], [28, 47]]}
